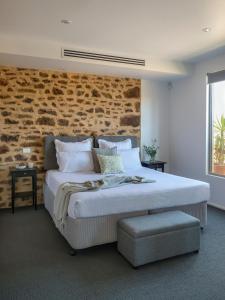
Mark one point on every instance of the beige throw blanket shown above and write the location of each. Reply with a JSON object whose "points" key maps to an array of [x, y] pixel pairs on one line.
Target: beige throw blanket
{"points": [[65, 190]]}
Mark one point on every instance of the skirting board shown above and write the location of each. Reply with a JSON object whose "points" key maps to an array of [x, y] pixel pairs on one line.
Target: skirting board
{"points": [[216, 205]]}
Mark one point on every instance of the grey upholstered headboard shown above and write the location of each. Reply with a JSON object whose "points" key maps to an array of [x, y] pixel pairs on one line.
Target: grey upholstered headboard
{"points": [[117, 138], [50, 162]]}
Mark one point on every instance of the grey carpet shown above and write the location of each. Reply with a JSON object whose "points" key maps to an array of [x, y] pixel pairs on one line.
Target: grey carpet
{"points": [[34, 264]]}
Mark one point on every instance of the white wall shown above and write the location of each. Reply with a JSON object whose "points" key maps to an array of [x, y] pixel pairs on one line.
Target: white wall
{"points": [[188, 128], [155, 116]]}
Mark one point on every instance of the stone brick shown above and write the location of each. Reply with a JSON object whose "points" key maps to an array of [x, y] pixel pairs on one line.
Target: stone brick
{"points": [[39, 86], [80, 93], [107, 123], [64, 75], [28, 109], [137, 106], [4, 96], [3, 82], [130, 120], [5, 113], [43, 74], [62, 81], [28, 122], [121, 132], [35, 79], [22, 82], [99, 110], [33, 157], [20, 157], [9, 138], [95, 93], [46, 81], [28, 100], [80, 101], [80, 113], [8, 159], [63, 122], [11, 121], [24, 116], [107, 95], [45, 121], [57, 91], [69, 92], [30, 91], [133, 92], [42, 111], [4, 149]]}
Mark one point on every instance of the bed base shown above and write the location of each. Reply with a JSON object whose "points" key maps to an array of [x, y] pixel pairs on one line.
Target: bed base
{"points": [[83, 233]]}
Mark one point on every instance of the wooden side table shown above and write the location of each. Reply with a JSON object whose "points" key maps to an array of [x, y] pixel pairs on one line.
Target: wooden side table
{"points": [[15, 173], [154, 164]]}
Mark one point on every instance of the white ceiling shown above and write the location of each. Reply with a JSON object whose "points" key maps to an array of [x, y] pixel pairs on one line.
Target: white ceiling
{"points": [[153, 29]]}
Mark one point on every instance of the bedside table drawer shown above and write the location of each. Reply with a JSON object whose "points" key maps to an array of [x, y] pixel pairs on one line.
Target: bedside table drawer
{"points": [[24, 173]]}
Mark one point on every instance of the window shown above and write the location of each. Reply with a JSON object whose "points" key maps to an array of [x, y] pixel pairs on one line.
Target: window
{"points": [[217, 123]]}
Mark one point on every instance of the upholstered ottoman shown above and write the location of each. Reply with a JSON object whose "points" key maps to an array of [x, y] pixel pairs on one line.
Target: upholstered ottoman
{"points": [[154, 237]]}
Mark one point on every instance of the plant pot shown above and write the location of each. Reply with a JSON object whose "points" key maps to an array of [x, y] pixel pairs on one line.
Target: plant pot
{"points": [[219, 169]]}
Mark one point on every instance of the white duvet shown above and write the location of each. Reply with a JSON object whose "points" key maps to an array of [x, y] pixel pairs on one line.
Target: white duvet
{"points": [[167, 191]]}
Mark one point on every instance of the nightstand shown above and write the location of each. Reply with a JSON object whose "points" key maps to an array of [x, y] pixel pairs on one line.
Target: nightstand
{"points": [[15, 173], [154, 164]]}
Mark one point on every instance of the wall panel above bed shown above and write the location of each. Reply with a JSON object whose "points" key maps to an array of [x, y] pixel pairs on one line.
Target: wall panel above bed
{"points": [[35, 103]]}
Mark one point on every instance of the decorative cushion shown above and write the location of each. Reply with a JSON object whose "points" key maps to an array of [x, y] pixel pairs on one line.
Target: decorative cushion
{"points": [[99, 151], [110, 164], [123, 145]]}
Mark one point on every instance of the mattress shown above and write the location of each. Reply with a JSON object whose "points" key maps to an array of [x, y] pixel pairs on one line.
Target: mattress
{"points": [[167, 191]]}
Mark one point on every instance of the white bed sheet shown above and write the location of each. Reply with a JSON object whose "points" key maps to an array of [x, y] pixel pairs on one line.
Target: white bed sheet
{"points": [[168, 190]]}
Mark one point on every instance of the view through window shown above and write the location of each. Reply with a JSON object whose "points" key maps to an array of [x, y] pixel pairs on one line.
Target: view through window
{"points": [[217, 123]]}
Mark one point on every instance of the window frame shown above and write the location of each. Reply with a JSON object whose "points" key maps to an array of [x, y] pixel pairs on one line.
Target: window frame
{"points": [[210, 132]]}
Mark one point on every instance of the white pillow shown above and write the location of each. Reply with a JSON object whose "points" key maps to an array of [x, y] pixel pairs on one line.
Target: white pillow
{"points": [[123, 145], [130, 158], [84, 145], [75, 161]]}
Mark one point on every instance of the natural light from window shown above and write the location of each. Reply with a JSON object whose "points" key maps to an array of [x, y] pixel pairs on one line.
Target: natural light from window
{"points": [[217, 130]]}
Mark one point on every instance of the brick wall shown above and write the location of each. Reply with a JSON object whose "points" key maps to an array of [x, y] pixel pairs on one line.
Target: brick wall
{"points": [[36, 103]]}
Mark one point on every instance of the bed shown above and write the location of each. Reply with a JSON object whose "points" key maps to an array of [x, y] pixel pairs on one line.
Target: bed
{"points": [[93, 215]]}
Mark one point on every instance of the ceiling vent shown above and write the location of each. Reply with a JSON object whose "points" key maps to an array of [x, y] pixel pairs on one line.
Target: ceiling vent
{"points": [[103, 57]]}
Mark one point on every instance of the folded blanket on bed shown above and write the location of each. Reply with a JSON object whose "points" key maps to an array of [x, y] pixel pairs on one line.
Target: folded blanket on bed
{"points": [[66, 189]]}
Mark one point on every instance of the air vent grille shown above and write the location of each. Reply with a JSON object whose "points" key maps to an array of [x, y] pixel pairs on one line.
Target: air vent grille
{"points": [[103, 57]]}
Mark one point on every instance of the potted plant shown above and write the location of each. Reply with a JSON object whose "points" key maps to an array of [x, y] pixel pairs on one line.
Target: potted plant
{"points": [[219, 146], [151, 150]]}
